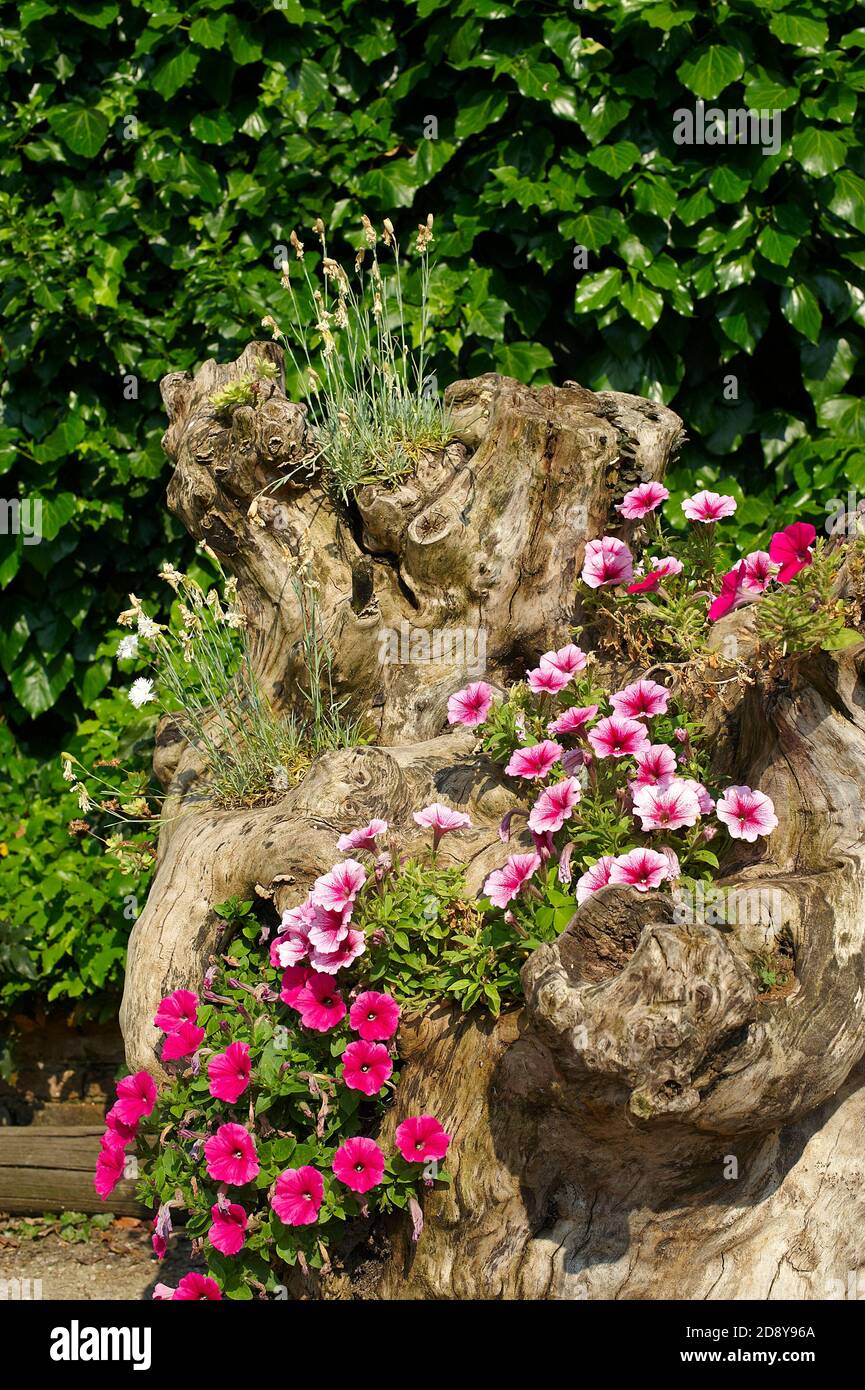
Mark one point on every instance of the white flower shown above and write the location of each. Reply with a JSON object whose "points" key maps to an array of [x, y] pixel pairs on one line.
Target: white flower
{"points": [[68, 774], [147, 628], [83, 799], [141, 691], [127, 647]]}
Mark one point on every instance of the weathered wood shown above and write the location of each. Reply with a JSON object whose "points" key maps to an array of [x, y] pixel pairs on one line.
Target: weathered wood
{"points": [[51, 1170], [594, 1128]]}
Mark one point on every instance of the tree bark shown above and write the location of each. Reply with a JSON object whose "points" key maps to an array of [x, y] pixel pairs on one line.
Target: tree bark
{"points": [[646, 1125]]}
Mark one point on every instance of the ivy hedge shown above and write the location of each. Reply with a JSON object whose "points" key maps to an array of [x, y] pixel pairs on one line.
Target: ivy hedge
{"points": [[156, 156]]}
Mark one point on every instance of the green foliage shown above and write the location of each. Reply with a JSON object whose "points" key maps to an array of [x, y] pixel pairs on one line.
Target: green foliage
{"points": [[155, 162], [807, 614], [67, 907]]}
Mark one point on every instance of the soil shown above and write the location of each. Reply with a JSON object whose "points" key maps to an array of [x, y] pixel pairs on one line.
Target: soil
{"points": [[115, 1263]]}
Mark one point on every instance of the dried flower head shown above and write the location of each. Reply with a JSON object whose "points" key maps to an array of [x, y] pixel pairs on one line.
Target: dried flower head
{"points": [[271, 325], [388, 234], [424, 234], [297, 244], [368, 230]]}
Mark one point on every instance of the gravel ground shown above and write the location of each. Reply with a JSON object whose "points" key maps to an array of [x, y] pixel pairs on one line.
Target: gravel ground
{"points": [[116, 1262]]}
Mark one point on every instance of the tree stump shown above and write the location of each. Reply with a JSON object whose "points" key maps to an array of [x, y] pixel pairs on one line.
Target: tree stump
{"points": [[646, 1126]]}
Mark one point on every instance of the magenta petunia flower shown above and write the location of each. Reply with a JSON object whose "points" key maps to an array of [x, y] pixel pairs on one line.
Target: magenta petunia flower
{"points": [[293, 980], [195, 1287], [229, 1072], [569, 660], [320, 1004], [471, 705], [183, 1041], [658, 571], [374, 1016], [734, 592], [366, 1066], [346, 953], [791, 549], [746, 813], [572, 720], [554, 806], [298, 1195], [640, 868], [337, 890], [441, 820], [421, 1137], [641, 500], [329, 929], [503, 885], [228, 1231], [547, 680], [618, 737], [110, 1165], [364, 838], [598, 876], [535, 761], [656, 764], [174, 1009], [607, 561], [136, 1097], [708, 506], [667, 807], [641, 700], [359, 1164], [125, 1133], [231, 1156]]}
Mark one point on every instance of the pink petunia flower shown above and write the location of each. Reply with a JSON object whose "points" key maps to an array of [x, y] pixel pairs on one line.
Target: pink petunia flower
{"points": [[656, 764], [667, 807], [791, 549], [746, 813], [441, 820], [195, 1287], [535, 761], [293, 980], [136, 1097], [641, 500], [229, 1072], [704, 800], [554, 806], [471, 705], [640, 868], [658, 571], [674, 869], [125, 1133], [364, 838], [572, 720], [231, 1156], [163, 1293], [641, 700], [758, 571], [110, 1167], [174, 1009], [228, 1230], [708, 506], [183, 1041], [366, 1066], [359, 1164], [598, 876], [618, 737], [320, 1004], [329, 962], [607, 561], [503, 885], [734, 592], [374, 1016], [547, 680], [420, 1138], [337, 890], [329, 929], [298, 1195], [569, 660]]}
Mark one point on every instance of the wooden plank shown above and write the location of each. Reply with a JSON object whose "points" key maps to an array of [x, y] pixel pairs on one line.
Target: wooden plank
{"points": [[51, 1170]]}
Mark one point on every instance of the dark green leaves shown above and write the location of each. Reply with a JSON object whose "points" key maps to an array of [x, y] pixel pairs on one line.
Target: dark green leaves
{"points": [[711, 69], [83, 129]]}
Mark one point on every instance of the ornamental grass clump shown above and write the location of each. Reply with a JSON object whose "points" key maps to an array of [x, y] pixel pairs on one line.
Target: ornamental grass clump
{"points": [[373, 412]]}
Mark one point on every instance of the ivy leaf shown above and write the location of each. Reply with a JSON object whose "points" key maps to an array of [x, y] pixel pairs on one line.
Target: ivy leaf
{"points": [[174, 72], [711, 70], [523, 360], [596, 291], [826, 366], [643, 304], [848, 198], [82, 128], [819, 151], [37, 684], [594, 229], [800, 30], [799, 307], [845, 415], [776, 246]]}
